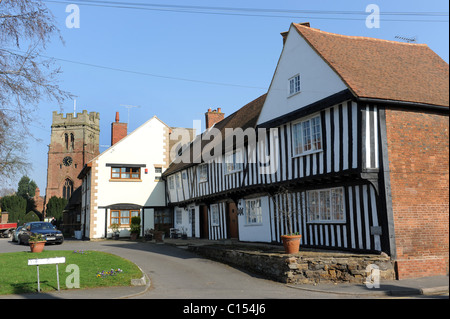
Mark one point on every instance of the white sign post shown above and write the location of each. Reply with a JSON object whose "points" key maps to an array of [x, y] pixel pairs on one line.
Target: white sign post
{"points": [[47, 261]]}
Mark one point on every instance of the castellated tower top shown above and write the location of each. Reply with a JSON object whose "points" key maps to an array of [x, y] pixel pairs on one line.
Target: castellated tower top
{"points": [[84, 118], [74, 141]]}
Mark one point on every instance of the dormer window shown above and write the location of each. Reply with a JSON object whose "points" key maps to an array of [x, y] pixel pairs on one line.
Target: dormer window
{"points": [[294, 85]]}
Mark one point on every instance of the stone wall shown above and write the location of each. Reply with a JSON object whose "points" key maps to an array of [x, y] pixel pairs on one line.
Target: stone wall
{"points": [[307, 267]]}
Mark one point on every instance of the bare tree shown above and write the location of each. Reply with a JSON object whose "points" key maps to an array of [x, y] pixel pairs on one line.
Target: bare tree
{"points": [[287, 209], [26, 78]]}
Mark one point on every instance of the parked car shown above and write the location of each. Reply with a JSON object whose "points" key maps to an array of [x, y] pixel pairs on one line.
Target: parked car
{"points": [[15, 233], [6, 229], [50, 233]]}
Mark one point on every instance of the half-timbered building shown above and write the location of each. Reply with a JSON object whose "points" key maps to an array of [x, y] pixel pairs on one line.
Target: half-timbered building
{"points": [[350, 132]]}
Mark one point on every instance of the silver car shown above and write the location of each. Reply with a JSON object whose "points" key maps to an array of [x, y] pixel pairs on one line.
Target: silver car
{"points": [[15, 233]]}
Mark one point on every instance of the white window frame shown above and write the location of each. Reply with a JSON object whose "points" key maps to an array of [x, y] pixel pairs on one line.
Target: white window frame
{"points": [[253, 211], [294, 85], [215, 218], [309, 127], [171, 182], [178, 180], [326, 205], [179, 216], [202, 172], [158, 173], [234, 161]]}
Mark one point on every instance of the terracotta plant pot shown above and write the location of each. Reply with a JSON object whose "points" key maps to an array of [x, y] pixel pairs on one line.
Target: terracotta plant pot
{"points": [[133, 236], [159, 236], [37, 247], [291, 243]]}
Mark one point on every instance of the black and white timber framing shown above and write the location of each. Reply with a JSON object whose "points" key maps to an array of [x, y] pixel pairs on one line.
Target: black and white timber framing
{"points": [[349, 158]]}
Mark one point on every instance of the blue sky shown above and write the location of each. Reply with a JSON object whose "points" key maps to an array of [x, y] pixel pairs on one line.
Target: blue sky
{"points": [[198, 60]]}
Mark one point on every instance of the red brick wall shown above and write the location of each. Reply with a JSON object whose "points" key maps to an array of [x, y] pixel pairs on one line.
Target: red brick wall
{"points": [[418, 152], [213, 117], [118, 132], [85, 130]]}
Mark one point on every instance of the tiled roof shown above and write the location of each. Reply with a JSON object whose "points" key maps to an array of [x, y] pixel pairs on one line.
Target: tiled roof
{"points": [[382, 69], [245, 117]]}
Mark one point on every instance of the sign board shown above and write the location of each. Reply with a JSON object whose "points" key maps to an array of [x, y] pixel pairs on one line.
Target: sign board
{"points": [[46, 261], [376, 230]]}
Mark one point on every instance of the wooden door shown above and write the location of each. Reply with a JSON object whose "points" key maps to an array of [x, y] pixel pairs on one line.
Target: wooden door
{"points": [[232, 221], [163, 220], [204, 227], [192, 212]]}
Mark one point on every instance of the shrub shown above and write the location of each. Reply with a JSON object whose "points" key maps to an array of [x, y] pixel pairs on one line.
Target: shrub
{"points": [[31, 217], [135, 226]]}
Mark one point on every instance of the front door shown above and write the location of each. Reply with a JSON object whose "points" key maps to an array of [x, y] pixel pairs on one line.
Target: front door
{"points": [[163, 220], [192, 212], [204, 227], [232, 221]]}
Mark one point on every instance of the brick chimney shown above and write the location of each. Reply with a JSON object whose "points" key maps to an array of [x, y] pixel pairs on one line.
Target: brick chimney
{"points": [[212, 117], [118, 130]]}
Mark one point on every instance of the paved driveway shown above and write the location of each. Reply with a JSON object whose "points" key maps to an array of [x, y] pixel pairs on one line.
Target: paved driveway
{"points": [[175, 273]]}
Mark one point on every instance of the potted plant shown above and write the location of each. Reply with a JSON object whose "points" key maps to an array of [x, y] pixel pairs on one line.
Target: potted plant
{"points": [[148, 234], [285, 213], [183, 233], [158, 235], [37, 243], [135, 227], [115, 231]]}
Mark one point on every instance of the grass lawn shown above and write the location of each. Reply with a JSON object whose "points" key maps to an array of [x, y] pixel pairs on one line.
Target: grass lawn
{"points": [[16, 277]]}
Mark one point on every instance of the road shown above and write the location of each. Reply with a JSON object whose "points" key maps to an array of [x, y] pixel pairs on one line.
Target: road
{"points": [[176, 273]]}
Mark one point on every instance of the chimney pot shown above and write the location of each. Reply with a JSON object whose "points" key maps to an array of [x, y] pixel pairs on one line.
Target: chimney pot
{"points": [[118, 130], [213, 117]]}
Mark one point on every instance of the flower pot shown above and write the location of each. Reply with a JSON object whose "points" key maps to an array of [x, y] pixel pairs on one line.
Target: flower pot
{"points": [[159, 236], [291, 243], [133, 236], [115, 236], [37, 247]]}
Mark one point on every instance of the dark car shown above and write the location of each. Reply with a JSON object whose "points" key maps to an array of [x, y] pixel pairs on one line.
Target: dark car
{"points": [[50, 233]]}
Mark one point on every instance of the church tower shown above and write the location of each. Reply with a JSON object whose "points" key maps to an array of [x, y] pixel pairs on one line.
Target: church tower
{"points": [[74, 142]]}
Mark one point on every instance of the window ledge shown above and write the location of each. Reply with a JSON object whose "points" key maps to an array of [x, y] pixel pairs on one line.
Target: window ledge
{"points": [[307, 153], [293, 94], [126, 180], [233, 172], [318, 222]]}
